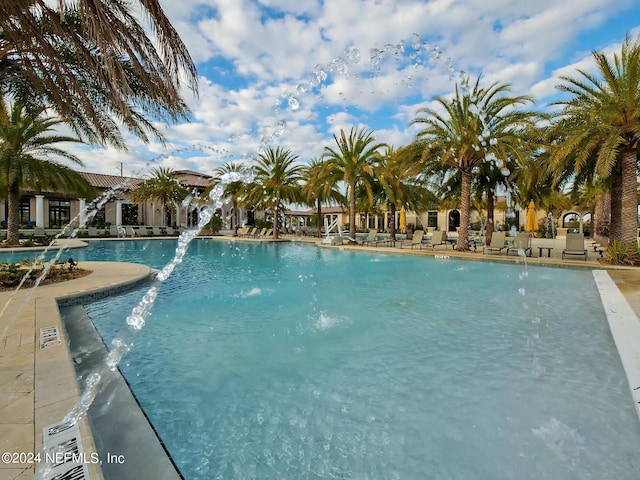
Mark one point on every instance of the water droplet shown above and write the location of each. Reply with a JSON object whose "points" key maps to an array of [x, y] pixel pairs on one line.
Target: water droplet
{"points": [[353, 54], [340, 65], [293, 104]]}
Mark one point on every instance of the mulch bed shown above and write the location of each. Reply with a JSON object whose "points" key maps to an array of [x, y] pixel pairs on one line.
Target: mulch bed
{"points": [[59, 277]]}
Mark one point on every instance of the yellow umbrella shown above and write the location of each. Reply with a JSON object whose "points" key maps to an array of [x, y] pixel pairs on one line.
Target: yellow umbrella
{"points": [[531, 223], [403, 219]]}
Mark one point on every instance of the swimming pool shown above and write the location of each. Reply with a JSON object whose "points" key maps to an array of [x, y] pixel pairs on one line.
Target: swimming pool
{"points": [[287, 361]]}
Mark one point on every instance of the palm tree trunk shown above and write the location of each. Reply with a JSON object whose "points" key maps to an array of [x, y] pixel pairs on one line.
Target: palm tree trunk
{"points": [[235, 219], [13, 220], [392, 214], [465, 207], [603, 214], [352, 212], [319, 218], [275, 223], [615, 227], [490, 216], [629, 198]]}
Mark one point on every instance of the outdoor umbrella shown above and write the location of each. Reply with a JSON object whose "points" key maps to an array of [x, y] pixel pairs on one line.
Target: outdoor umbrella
{"points": [[403, 219], [531, 223]]}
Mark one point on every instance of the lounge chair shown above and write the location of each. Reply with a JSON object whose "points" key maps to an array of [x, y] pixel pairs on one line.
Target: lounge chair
{"points": [[92, 231], [439, 237], [252, 232], [114, 231], [38, 232], [521, 242], [261, 233], [157, 231], [497, 243], [243, 232], [269, 232], [171, 231], [415, 240], [575, 245], [371, 238], [130, 232]]}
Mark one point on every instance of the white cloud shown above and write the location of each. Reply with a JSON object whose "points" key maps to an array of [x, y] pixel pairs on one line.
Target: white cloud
{"points": [[508, 41]]}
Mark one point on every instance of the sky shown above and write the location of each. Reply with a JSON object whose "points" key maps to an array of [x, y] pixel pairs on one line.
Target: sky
{"points": [[293, 73]]}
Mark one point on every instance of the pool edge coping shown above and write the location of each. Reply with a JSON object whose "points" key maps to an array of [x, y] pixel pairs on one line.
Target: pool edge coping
{"points": [[625, 327]]}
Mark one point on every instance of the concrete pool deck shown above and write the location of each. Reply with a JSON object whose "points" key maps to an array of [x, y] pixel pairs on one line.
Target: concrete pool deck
{"points": [[38, 385]]}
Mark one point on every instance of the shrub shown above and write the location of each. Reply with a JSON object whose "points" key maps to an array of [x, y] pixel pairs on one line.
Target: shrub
{"points": [[623, 254]]}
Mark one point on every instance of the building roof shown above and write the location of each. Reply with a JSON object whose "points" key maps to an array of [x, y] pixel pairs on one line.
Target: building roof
{"points": [[309, 213], [100, 180], [193, 179]]}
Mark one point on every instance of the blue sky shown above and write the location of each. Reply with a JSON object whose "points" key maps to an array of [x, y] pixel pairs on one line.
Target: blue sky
{"points": [[261, 67]]}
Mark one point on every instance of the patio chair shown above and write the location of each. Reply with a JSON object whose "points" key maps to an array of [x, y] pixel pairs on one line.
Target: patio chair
{"points": [[521, 242], [418, 235], [261, 233], [497, 243], [371, 238], [243, 232], [439, 237], [269, 232], [575, 246], [131, 232], [114, 231]]}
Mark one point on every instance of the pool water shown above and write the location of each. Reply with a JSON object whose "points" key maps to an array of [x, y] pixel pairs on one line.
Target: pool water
{"points": [[292, 362]]}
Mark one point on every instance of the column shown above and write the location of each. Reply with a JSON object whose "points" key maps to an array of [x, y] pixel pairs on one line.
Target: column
{"points": [[118, 213], [39, 210], [82, 215]]}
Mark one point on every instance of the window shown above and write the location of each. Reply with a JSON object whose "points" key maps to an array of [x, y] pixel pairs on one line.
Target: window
{"points": [[25, 211], [432, 219], [129, 214], [59, 213]]}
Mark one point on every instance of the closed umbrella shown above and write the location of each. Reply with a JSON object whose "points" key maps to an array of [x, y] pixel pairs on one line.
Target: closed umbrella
{"points": [[403, 219], [531, 224]]}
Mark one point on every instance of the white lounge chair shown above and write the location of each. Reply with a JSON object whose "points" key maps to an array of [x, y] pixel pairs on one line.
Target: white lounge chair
{"points": [[157, 231], [418, 235], [522, 242], [131, 232], [575, 246], [497, 243], [439, 237]]}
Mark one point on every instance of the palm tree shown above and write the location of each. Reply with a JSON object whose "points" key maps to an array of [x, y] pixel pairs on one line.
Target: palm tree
{"points": [[162, 187], [477, 126], [233, 189], [396, 171], [320, 187], [353, 160], [601, 122], [27, 141], [93, 60], [276, 182]]}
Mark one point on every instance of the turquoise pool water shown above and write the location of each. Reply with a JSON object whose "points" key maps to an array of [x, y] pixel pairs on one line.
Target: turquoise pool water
{"points": [[290, 362]]}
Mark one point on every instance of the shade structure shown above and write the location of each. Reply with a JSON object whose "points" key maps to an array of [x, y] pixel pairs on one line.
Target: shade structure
{"points": [[531, 224], [403, 219]]}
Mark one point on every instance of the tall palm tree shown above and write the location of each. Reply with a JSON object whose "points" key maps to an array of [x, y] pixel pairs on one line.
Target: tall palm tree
{"points": [[93, 59], [320, 187], [477, 126], [276, 182], [163, 187], [396, 171], [233, 189], [353, 160], [27, 143], [601, 121]]}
